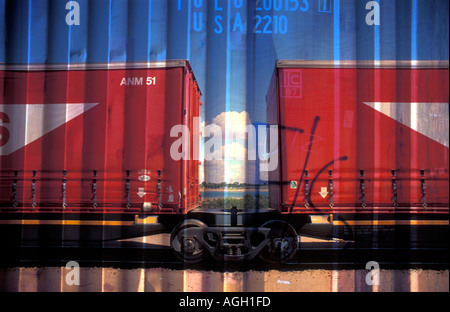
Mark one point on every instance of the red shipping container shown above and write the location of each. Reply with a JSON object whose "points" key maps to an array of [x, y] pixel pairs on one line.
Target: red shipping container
{"points": [[360, 136], [96, 137]]}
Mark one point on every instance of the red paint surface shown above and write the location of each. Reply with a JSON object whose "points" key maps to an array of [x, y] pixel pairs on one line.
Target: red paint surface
{"points": [[366, 139], [128, 130]]}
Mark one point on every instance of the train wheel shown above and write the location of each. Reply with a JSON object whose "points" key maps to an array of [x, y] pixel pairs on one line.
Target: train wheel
{"points": [[185, 243], [283, 244]]}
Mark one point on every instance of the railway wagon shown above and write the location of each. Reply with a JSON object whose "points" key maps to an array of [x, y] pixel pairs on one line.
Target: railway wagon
{"points": [[95, 152], [86, 154], [85, 149], [363, 150]]}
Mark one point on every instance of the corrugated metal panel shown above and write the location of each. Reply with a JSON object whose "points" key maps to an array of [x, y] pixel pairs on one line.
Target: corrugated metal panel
{"points": [[361, 125], [232, 45], [85, 134]]}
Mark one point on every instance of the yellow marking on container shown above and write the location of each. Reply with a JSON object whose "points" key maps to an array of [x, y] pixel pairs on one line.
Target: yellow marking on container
{"points": [[146, 220]]}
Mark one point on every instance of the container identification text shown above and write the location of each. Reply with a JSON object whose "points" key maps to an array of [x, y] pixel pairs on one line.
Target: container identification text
{"points": [[138, 81]]}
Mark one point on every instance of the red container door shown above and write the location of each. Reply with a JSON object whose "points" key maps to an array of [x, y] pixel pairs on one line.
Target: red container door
{"points": [[315, 139], [193, 122]]}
